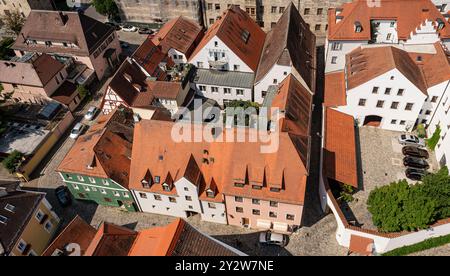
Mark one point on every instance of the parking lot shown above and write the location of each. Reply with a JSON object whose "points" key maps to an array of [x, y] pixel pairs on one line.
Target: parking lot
{"points": [[381, 162]]}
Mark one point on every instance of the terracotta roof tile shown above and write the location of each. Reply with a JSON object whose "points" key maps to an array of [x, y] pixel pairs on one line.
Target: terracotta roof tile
{"points": [[229, 28], [78, 232], [111, 240], [65, 93], [335, 94], [361, 245], [149, 56], [340, 148], [410, 14], [181, 34]]}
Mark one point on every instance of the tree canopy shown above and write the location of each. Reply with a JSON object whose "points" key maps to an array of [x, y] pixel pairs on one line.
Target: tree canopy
{"points": [[404, 207], [106, 7], [13, 21]]}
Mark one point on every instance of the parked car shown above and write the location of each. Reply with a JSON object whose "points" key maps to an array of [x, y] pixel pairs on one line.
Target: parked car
{"points": [[145, 31], [415, 162], [415, 174], [116, 26], [415, 152], [124, 45], [90, 114], [270, 238], [77, 130], [63, 196], [129, 28], [411, 140]]}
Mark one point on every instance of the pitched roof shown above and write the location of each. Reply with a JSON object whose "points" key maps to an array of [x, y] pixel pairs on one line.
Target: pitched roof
{"points": [[177, 239], [229, 162], [149, 56], [361, 245], [364, 64], [230, 28], [78, 232], [65, 93], [111, 240], [25, 204], [104, 150], [410, 14], [335, 94], [38, 72], [181, 34], [340, 148], [225, 78], [290, 43], [70, 27]]}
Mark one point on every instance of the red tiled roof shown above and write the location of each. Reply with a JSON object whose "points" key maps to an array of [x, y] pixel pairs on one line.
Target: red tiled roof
{"points": [[149, 56], [410, 14], [104, 150], [229, 29], [361, 245], [364, 64], [335, 94], [77, 232], [66, 93], [340, 148], [111, 240], [181, 34]]}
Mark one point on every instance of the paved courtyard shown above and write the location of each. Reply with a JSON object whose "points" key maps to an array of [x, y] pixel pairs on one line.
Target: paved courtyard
{"points": [[381, 163]]}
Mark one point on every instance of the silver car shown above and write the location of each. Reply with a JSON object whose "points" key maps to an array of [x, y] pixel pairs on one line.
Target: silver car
{"points": [[270, 238], [77, 130], [91, 113], [411, 140]]}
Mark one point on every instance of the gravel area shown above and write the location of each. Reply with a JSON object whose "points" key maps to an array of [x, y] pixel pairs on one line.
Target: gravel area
{"points": [[381, 164]]}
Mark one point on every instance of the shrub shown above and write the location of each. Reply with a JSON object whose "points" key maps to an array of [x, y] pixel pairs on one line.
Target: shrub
{"points": [[426, 244], [82, 91], [12, 162], [433, 141], [421, 131], [403, 207], [346, 193]]}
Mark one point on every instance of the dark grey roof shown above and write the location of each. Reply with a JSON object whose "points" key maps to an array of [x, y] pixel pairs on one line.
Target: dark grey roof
{"points": [[25, 203], [224, 78]]}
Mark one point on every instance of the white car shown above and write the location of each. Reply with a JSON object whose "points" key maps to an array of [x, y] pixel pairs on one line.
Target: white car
{"points": [[91, 113], [270, 238], [77, 130], [129, 28], [411, 140]]}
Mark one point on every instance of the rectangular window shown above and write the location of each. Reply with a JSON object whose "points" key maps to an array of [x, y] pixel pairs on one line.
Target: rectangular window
{"points": [[239, 92], [273, 204], [375, 90], [239, 210], [256, 201], [214, 89], [238, 199], [200, 64], [336, 46], [188, 198], [434, 99], [380, 104], [143, 195], [39, 216], [21, 246], [394, 105], [290, 217], [393, 122], [409, 106], [157, 197], [256, 212], [333, 60], [402, 123], [387, 91], [172, 199], [272, 214], [116, 193], [227, 90], [362, 102], [92, 180], [211, 205], [202, 88], [48, 226], [236, 67], [400, 92]]}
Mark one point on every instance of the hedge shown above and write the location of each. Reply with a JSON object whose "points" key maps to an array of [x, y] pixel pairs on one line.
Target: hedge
{"points": [[421, 246]]}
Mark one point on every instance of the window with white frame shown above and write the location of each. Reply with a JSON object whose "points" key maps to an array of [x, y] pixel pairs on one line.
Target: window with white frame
{"points": [[239, 92], [125, 194], [10, 208], [48, 226], [202, 88], [75, 186], [21, 246], [227, 91], [333, 60], [92, 180], [336, 46], [103, 191], [39, 215], [214, 89], [80, 178], [105, 182]]}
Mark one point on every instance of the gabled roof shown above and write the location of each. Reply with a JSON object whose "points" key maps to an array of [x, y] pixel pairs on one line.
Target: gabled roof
{"points": [[181, 34], [340, 148], [229, 162], [178, 239], [104, 150], [70, 27], [38, 72], [365, 64], [149, 56], [25, 204], [290, 43], [76, 232], [230, 28], [409, 14], [335, 93], [111, 240]]}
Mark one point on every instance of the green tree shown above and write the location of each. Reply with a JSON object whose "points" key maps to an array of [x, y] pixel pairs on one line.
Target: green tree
{"points": [[14, 21], [82, 91], [12, 162], [106, 7], [434, 140], [437, 187]]}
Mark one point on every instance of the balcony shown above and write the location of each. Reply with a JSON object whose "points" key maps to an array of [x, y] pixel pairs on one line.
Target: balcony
{"points": [[218, 60]]}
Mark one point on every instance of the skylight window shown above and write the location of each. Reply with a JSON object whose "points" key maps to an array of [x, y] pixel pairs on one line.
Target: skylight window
{"points": [[10, 208], [3, 219], [245, 35]]}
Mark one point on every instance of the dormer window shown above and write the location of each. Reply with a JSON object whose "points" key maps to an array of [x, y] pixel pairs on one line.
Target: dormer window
{"points": [[239, 184], [48, 43], [166, 187], [256, 187], [145, 183], [210, 193], [358, 27], [440, 24], [275, 190]]}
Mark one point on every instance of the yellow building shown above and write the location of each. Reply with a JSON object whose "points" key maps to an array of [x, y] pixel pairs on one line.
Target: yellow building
{"points": [[27, 222]]}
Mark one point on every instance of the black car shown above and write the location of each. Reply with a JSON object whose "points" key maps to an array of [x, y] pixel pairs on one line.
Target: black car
{"points": [[63, 196], [415, 174], [415, 162], [145, 31], [415, 152]]}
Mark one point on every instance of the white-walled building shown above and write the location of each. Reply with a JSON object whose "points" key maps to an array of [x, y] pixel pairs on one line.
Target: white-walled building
{"points": [[402, 22], [178, 38], [290, 48], [232, 44]]}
